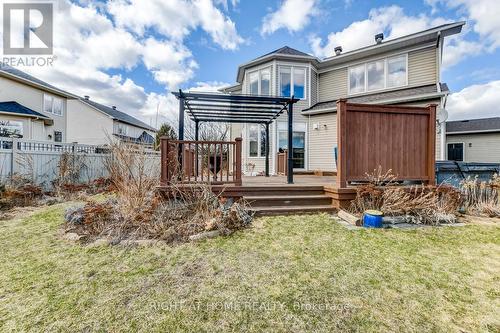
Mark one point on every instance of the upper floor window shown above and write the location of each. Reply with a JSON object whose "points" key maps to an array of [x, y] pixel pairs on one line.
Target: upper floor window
{"points": [[259, 82], [121, 129], [292, 81], [378, 74], [53, 104]]}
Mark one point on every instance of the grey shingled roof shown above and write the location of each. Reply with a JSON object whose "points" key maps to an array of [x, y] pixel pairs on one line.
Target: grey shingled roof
{"points": [[371, 98], [25, 76], [287, 51], [118, 115], [473, 125], [18, 109]]}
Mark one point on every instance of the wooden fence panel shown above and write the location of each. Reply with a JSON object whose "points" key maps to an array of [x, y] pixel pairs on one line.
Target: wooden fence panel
{"points": [[400, 138]]}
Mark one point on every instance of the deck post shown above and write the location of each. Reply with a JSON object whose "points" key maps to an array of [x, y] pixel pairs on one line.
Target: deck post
{"points": [[341, 143], [237, 167], [290, 142], [267, 149], [196, 138], [164, 161], [431, 145]]}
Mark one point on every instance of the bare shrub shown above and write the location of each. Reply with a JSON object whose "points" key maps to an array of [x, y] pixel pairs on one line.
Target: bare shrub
{"points": [[134, 176], [428, 204], [480, 197], [189, 211]]}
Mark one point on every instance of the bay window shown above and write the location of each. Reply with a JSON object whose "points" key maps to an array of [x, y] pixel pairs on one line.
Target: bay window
{"points": [[259, 82], [379, 74], [292, 81]]}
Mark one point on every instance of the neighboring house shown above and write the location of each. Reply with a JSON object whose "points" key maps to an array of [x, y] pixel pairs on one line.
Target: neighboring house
{"points": [[404, 71], [475, 140], [104, 123], [35, 110]]}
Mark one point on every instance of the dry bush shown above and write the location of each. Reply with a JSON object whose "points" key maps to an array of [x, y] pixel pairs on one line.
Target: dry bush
{"points": [[188, 212], [133, 176], [427, 204], [480, 197]]}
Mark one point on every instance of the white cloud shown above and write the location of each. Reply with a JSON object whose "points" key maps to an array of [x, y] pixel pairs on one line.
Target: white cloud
{"points": [[483, 13], [456, 48], [476, 101], [92, 38], [292, 15], [170, 62], [390, 20], [211, 86], [176, 19]]}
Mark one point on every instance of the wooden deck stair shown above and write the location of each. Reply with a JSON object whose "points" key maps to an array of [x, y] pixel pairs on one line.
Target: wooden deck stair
{"points": [[283, 200]]}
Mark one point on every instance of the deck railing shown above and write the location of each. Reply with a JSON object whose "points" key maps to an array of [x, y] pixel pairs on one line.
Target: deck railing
{"points": [[213, 162]]}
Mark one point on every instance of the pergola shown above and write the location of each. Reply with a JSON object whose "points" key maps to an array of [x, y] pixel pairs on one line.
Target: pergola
{"points": [[229, 108]]}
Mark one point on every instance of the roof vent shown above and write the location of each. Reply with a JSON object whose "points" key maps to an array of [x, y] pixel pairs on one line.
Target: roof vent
{"points": [[338, 50], [87, 97], [379, 37], [113, 107]]}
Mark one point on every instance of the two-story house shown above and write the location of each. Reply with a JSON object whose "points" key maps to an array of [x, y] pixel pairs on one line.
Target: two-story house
{"points": [[404, 70], [36, 110]]}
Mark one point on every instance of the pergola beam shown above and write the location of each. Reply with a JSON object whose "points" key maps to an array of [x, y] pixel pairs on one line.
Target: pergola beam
{"points": [[243, 109]]}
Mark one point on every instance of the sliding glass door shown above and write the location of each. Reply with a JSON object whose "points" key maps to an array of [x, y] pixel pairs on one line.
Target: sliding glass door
{"points": [[299, 142]]}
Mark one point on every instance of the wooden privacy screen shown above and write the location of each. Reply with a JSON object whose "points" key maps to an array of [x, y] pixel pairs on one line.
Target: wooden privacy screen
{"points": [[401, 138]]}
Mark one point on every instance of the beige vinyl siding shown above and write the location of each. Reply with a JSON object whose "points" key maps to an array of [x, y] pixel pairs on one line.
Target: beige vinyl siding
{"points": [[422, 70], [422, 67], [322, 142], [314, 87], [333, 85], [484, 147]]}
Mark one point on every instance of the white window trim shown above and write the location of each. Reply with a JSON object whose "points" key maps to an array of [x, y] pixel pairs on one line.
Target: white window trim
{"points": [[365, 64], [454, 143], [51, 112], [259, 142], [292, 80], [259, 79]]}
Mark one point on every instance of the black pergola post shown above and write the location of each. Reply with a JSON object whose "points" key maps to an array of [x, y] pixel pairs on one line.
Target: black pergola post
{"points": [[267, 149], [181, 115], [290, 143], [196, 130]]}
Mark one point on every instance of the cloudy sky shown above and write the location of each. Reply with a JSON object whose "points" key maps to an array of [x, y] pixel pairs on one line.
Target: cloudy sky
{"points": [[133, 53]]}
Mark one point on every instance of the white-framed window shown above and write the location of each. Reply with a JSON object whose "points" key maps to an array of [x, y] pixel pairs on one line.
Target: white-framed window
{"points": [[53, 104], [256, 140], [259, 82], [121, 129], [292, 81], [379, 74], [11, 129]]}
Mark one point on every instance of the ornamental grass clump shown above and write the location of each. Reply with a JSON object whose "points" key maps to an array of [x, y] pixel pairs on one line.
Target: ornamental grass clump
{"points": [[481, 197]]}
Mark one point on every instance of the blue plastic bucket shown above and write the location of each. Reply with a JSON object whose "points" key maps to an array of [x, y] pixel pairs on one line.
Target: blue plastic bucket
{"points": [[372, 219]]}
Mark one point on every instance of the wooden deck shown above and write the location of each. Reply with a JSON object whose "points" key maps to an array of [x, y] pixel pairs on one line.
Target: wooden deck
{"points": [[299, 180]]}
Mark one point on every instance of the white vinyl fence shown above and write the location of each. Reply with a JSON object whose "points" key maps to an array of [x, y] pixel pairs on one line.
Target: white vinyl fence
{"points": [[42, 161]]}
